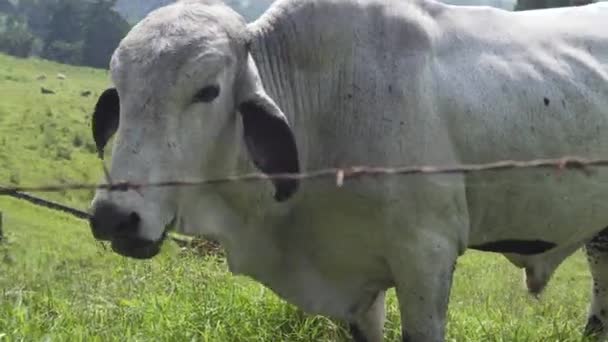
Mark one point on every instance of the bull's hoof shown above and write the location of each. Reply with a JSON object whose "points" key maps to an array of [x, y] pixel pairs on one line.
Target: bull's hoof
{"points": [[594, 328]]}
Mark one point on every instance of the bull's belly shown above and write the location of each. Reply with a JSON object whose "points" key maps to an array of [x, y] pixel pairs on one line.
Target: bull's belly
{"points": [[316, 291], [561, 208]]}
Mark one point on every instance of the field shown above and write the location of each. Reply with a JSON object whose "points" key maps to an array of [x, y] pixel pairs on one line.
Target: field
{"points": [[57, 284]]}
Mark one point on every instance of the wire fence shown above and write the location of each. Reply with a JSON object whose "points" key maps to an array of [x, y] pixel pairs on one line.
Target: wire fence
{"points": [[339, 174], [41, 202]]}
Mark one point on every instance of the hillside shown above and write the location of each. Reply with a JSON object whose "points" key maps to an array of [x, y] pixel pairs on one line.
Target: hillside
{"points": [[46, 138]]}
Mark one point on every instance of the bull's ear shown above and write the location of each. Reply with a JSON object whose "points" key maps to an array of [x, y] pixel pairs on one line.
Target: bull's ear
{"points": [[271, 145], [268, 136], [105, 119]]}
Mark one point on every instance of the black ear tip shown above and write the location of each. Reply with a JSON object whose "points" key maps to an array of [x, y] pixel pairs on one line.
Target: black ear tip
{"points": [[100, 142], [285, 189]]}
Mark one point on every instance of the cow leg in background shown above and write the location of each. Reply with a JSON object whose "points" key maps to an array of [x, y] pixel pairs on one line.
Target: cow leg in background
{"points": [[423, 275], [597, 257], [369, 326]]}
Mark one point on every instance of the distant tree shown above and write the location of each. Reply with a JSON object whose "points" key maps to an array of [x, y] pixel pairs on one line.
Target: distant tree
{"points": [[37, 14], [16, 40], [64, 52], [104, 29], [581, 2], [66, 22], [63, 42], [7, 7], [538, 4]]}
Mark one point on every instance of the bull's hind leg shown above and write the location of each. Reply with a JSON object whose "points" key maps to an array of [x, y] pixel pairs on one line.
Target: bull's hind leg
{"points": [[369, 325], [597, 256]]}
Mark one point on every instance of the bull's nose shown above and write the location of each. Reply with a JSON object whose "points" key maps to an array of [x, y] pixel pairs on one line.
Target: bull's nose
{"points": [[109, 221]]}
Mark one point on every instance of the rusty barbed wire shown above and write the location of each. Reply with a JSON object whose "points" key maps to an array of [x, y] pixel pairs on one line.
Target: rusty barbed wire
{"points": [[41, 202], [340, 175], [182, 240]]}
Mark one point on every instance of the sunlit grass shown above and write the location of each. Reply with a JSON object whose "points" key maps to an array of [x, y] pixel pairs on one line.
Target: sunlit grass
{"points": [[56, 281], [47, 137]]}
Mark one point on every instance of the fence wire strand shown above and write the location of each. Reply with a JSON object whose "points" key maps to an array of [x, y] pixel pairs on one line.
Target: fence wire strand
{"points": [[339, 174], [41, 202]]}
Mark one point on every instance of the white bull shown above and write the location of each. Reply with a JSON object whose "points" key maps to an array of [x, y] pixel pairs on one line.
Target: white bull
{"points": [[198, 93]]}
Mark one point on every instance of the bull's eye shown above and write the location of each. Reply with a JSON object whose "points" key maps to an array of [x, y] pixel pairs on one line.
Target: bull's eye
{"points": [[207, 94]]}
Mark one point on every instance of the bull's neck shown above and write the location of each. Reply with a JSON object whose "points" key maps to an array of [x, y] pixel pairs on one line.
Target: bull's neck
{"points": [[272, 56], [275, 49]]}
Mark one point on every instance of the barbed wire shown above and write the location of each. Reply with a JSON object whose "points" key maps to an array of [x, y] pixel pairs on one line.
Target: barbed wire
{"points": [[181, 239], [339, 174], [41, 202]]}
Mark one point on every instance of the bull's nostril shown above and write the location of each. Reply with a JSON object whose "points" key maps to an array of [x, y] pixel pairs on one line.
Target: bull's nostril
{"points": [[134, 219], [108, 221], [129, 224]]}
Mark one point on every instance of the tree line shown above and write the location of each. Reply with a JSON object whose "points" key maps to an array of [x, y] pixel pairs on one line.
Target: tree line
{"points": [[78, 32], [538, 4], [86, 32]]}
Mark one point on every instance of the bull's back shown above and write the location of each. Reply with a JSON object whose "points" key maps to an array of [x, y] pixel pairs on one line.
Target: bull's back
{"points": [[528, 85]]}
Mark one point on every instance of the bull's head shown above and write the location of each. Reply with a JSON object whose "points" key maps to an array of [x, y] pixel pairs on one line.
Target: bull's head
{"points": [[187, 99]]}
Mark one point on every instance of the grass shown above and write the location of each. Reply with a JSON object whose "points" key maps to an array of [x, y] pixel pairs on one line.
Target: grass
{"points": [[47, 138], [57, 284]]}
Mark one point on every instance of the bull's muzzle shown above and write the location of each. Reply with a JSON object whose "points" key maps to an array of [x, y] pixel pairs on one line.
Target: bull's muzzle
{"points": [[122, 228]]}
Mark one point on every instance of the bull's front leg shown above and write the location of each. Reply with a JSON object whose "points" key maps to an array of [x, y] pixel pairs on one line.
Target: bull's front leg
{"points": [[368, 326], [423, 273]]}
